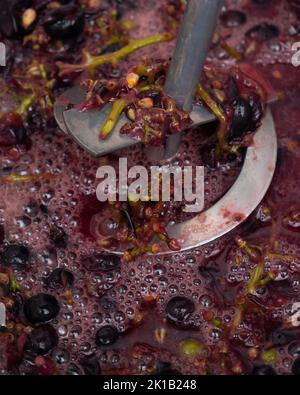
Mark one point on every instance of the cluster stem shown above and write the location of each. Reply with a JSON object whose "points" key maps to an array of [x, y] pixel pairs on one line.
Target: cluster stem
{"points": [[112, 118], [91, 62], [218, 112]]}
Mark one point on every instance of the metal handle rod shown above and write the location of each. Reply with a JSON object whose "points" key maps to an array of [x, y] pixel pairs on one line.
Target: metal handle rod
{"points": [[193, 43]]}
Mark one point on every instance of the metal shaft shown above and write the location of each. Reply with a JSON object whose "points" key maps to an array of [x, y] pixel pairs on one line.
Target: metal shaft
{"points": [[193, 43]]}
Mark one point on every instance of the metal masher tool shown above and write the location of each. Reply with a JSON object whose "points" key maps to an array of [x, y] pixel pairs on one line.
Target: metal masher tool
{"points": [[194, 39]]}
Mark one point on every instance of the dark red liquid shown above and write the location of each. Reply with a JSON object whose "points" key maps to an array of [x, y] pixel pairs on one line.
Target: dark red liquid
{"points": [[133, 297]]}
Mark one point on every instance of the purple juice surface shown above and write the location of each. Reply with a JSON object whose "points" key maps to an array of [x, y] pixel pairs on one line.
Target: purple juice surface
{"points": [[138, 301]]}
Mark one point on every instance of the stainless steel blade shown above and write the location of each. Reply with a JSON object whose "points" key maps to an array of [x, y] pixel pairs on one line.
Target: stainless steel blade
{"points": [[85, 127], [240, 201], [71, 96]]}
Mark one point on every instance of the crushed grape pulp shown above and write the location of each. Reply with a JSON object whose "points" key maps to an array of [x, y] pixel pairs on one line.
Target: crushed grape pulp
{"points": [[227, 308]]}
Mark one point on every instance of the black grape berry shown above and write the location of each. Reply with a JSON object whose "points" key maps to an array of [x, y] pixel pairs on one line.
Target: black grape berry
{"points": [[233, 18], [41, 308], [179, 309], [43, 339], [65, 22], [16, 255], [263, 32], [106, 336]]}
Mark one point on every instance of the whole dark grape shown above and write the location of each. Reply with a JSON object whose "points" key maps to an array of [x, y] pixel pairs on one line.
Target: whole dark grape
{"points": [[15, 255], [41, 308], [179, 309], [263, 32], [233, 18], [64, 22], [42, 339], [106, 336]]}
